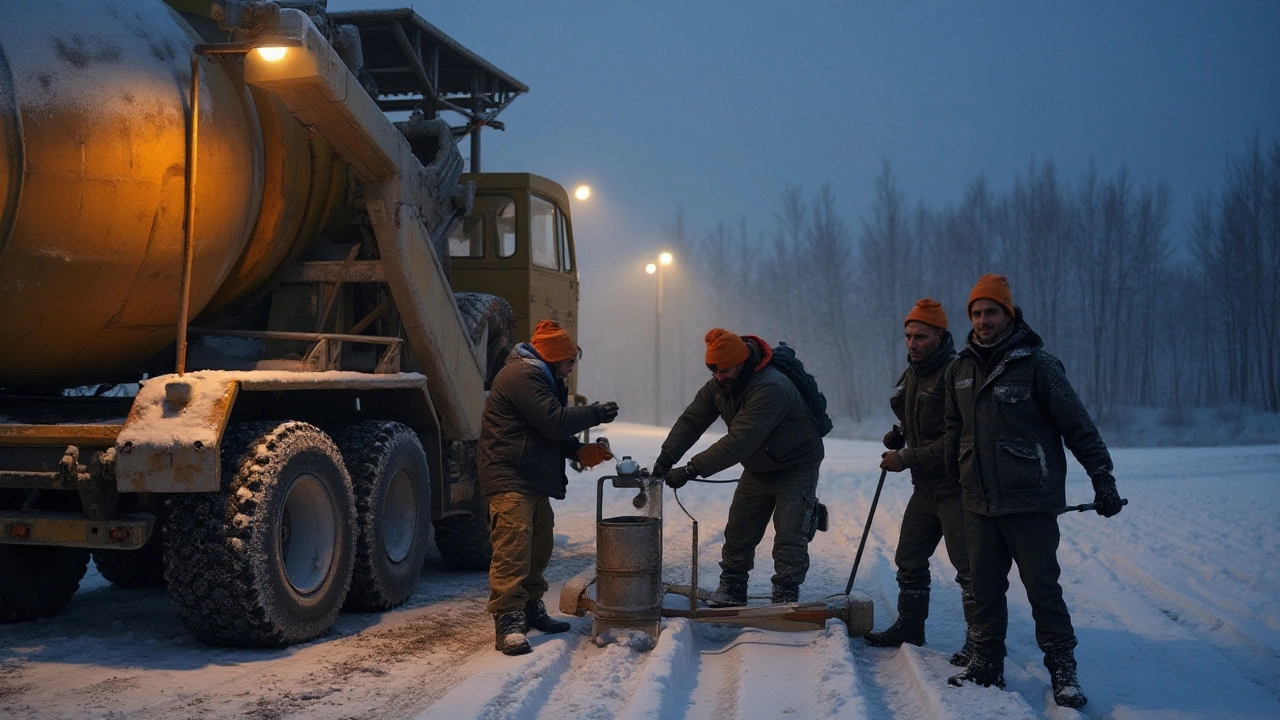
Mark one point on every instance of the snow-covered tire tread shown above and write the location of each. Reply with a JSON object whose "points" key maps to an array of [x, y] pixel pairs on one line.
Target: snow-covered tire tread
{"points": [[464, 542]]}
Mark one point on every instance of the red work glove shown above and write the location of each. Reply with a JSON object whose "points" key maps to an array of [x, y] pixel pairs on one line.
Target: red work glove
{"points": [[592, 454]]}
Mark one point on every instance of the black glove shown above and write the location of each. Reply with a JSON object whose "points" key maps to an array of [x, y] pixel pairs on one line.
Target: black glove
{"points": [[894, 439], [661, 466], [1106, 498], [681, 475], [608, 411]]}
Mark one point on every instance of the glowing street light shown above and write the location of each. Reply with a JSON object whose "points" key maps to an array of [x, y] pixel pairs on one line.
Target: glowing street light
{"points": [[582, 192], [664, 259]]}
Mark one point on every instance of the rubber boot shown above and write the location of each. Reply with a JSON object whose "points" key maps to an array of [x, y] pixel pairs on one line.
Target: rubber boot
{"points": [[785, 594], [535, 613], [913, 609], [510, 629], [982, 670], [962, 656], [1061, 665], [729, 594]]}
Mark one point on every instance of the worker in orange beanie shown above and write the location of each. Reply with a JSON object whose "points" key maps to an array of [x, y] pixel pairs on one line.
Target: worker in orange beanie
{"points": [[1008, 411], [775, 436], [527, 432], [934, 511]]}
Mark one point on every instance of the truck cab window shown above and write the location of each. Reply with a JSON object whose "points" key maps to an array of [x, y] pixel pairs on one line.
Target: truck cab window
{"points": [[491, 216], [542, 233], [566, 256]]}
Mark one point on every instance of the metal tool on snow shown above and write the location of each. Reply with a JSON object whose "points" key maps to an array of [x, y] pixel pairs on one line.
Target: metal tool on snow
{"points": [[629, 590], [857, 559]]}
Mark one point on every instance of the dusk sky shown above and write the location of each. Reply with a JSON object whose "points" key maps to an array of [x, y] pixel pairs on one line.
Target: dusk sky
{"points": [[720, 106]]}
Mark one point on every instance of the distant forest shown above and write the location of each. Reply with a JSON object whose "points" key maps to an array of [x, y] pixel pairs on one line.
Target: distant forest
{"points": [[1091, 261]]}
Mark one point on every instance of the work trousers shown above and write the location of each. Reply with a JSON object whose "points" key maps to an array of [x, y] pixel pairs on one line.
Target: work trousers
{"points": [[789, 498], [929, 518], [520, 527], [1030, 540]]}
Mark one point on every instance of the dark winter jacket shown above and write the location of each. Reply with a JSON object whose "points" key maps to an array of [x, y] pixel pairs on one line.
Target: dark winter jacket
{"points": [[1007, 418], [770, 426], [527, 430], [918, 401]]}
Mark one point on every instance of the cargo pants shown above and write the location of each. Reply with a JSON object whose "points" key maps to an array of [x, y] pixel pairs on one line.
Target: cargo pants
{"points": [[929, 518], [1030, 540], [789, 498], [521, 529]]}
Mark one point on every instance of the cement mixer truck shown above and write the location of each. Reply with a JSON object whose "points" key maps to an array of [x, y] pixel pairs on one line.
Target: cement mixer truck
{"points": [[250, 303]]}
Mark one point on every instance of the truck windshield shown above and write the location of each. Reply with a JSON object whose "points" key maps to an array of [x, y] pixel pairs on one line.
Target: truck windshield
{"points": [[492, 221]]}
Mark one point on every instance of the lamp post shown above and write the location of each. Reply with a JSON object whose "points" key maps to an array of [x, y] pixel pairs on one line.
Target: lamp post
{"points": [[655, 268]]}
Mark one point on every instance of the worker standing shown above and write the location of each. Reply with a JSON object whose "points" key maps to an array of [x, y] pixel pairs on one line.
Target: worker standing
{"points": [[526, 433], [934, 512]]}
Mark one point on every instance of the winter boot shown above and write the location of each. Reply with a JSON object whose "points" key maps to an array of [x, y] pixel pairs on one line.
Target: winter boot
{"points": [[913, 608], [982, 671], [510, 628], [962, 656], [785, 594], [536, 614], [729, 594], [1061, 665]]}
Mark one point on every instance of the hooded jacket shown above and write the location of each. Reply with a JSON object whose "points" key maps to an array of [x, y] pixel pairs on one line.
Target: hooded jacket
{"points": [[919, 401], [1007, 417], [528, 430], [770, 428]]}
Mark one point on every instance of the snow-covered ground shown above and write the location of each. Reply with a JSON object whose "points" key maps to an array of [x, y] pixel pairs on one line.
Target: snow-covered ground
{"points": [[1176, 602]]}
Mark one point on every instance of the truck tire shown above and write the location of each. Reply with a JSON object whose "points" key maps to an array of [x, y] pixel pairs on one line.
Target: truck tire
{"points": [[38, 580], [141, 568], [463, 541], [482, 312], [267, 561], [392, 486]]}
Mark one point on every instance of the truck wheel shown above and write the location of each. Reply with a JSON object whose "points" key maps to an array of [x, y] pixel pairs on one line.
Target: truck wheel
{"points": [[38, 580], [266, 561], [482, 312], [393, 511], [464, 542], [141, 568]]}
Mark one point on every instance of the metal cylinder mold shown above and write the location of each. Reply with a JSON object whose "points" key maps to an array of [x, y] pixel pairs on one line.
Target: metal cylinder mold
{"points": [[628, 573]]}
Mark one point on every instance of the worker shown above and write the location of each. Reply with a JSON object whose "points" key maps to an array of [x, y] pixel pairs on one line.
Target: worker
{"points": [[773, 434], [527, 432], [934, 511], [1009, 409]]}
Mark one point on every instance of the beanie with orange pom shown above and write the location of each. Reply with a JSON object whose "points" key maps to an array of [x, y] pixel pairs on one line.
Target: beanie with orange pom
{"points": [[552, 342], [929, 312], [994, 288], [724, 349]]}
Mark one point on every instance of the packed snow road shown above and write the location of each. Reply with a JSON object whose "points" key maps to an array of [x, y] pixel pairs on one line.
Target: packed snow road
{"points": [[1176, 602]]}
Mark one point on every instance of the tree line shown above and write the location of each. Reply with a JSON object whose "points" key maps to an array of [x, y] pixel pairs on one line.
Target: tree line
{"points": [[1094, 262]]}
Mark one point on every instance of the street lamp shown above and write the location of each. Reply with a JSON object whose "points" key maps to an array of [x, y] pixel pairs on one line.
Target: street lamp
{"points": [[664, 259]]}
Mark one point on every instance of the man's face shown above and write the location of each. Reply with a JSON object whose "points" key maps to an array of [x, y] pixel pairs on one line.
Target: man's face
{"points": [[728, 377], [922, 340], [562, 369], [989, 319]]}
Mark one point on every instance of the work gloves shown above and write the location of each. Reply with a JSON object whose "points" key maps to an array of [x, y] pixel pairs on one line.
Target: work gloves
{"points": [[592, 454], [677, 478], [894, 439], [1106, 498], [661, 466], [607, 411]]}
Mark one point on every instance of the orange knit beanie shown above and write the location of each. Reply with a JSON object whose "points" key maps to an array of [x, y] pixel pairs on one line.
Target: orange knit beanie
{"points": [[929, 312], [553, 343], [994, 288], [724, 349]]}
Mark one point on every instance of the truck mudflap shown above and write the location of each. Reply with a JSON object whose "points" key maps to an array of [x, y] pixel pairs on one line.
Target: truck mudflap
{"points": [[124, 532]]}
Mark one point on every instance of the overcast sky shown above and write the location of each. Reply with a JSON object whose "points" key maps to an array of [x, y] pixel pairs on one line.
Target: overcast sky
{"points": [[719, 106]]}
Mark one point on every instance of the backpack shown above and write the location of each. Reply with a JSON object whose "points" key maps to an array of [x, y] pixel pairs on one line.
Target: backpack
{"points": [[785, 360]]}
